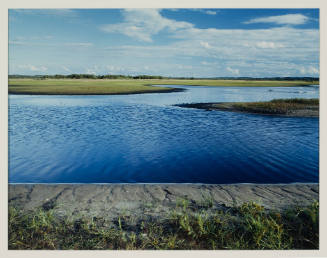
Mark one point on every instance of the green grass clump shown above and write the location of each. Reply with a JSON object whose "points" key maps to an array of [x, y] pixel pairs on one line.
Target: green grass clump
{"points": [[296, 101], [188, 226], [303, 226], [278, 106]]}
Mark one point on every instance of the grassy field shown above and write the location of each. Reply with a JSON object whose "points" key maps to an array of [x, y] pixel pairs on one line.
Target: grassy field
{"points": [[289, 107], [99, 87], [249, 226]]}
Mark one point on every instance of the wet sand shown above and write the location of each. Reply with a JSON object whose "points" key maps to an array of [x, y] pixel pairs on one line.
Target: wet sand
{"points": [[152, 200]]}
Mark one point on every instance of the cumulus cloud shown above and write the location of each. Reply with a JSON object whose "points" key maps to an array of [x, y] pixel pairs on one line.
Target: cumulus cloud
{"points": [[287, 19], [224, 45], [290, 49], [142, 24], [277, 51]]}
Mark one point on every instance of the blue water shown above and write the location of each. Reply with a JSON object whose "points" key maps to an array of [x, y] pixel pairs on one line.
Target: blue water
{"points": [[144, 139]]}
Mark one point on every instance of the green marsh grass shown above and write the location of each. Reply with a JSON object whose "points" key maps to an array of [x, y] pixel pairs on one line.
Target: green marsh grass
{"points": [[249, 226], [126, 86], [278, 106]]}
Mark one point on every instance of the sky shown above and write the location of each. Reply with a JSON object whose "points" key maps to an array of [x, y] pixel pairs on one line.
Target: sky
{"points": [[167, 42]]}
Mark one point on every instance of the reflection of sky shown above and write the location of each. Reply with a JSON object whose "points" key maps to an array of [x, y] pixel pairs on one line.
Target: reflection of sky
{"points": [[193, 94], [141, 138]]}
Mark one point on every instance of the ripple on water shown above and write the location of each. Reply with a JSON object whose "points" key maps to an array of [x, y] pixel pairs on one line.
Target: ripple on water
{"points": [[142, 138]]}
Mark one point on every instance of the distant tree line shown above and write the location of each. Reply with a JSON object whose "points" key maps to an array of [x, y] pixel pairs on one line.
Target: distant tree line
{"points": [[87, 76], [120, 76], [271, 78]]}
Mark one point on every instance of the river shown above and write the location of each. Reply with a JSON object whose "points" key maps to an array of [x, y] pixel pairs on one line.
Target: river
{"points": [[143, 138]]}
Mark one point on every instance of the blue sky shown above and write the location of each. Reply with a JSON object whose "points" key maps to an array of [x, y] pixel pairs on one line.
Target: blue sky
{"points": [[169, 42]]}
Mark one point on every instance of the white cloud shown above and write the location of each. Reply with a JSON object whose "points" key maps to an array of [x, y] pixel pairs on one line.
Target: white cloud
{"points": [[33, 68], [205, 44], [142, 24], [267, 44], [287, 19], [206, 11], [252, 50], [310, 70], [233, 71], [313, 70], [16, 42], [40, 37], [20, 38], [93, 70], [114, 69], [289, 49], [289, 44], [211, 12], [181, 66], [34, 41], [111, 67], [90, 71], [79, 44], [278, 51], [66, 69], [50, 12]]}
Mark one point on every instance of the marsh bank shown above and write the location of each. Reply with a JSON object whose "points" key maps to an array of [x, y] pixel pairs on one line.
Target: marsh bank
{"points": [[130, 86], [281, 107]]}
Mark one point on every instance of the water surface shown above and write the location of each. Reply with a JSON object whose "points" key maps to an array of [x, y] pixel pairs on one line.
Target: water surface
{"points": [[142, 138]]}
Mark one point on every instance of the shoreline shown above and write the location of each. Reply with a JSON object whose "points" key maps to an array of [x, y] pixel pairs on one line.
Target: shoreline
{"points": [[166, 216], [152, 200], [203, 184], [170, 90]]}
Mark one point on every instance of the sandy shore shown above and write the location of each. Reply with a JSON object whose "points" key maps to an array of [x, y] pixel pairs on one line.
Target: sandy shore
{"points": [[152, 200]]}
